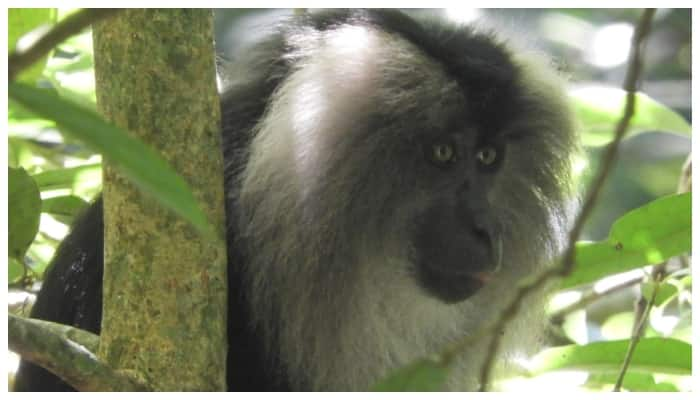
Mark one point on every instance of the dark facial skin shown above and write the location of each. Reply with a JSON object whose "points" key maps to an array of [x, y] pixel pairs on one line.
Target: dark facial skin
{"points": [[457, 239]]}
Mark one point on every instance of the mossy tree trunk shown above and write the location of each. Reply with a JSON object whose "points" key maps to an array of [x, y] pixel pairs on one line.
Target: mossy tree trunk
{"points": [[164, 312]]}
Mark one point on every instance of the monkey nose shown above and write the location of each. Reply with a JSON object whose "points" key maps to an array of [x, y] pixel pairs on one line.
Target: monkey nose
{"points": [[494, 242]]}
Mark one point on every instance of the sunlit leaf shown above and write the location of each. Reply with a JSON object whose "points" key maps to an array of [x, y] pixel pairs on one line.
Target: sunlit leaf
{"points": [[664, 292], [18, 153], [66, 178], [661, 355], [634, 382], [647, 235], [421, 376], [21, 21], [83, 96], [599, 110], [138, 162], [575, 326], [15, 270], [63, 208], [24, 208]]}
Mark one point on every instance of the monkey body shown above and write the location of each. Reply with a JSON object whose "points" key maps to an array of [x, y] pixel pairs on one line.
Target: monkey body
{"points": [[387, 182]]}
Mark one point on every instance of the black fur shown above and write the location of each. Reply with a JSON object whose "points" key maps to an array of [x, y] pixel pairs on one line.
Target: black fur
{"points": [[71, 293]]}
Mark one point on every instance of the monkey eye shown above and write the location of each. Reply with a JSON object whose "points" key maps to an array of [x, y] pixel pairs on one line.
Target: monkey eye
{"points": [[487, 155], [442, 153]]}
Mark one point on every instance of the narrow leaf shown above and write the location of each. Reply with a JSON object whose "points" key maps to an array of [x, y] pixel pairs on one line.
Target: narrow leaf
{"points": [[63, 208], [66, 178], [657, 355], [139, 163]]}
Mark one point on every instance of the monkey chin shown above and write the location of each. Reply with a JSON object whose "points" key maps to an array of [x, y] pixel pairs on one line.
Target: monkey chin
{"points": [[451, 287]]}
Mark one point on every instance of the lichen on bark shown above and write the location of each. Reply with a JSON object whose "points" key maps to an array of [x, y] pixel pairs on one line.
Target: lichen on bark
{"points": [[164, 311]]}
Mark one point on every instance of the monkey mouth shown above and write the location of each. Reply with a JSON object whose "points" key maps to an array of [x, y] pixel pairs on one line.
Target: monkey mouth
{"points": [[453, 277], [452, 287]]}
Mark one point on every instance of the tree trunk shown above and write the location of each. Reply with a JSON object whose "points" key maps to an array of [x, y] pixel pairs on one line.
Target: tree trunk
{"points": [[164, 312]]}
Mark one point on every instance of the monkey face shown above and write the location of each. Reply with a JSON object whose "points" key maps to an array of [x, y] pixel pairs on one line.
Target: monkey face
{"points": [[492, 189], [458, 240], [481, 170], [458, 243]]}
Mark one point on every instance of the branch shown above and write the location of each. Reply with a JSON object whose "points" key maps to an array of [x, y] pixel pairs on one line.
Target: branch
{"points": [[686, 185], [658, 274], [686, 181], [67, 352], [592, 297], [71, 25], [632, 76], [638, 332]]}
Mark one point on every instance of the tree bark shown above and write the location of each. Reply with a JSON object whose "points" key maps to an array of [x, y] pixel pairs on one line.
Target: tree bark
{"points": [[164, 308]]}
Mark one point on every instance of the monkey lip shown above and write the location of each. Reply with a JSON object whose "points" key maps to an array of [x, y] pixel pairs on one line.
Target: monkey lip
{"points": [[483, 277], [450, 286]]}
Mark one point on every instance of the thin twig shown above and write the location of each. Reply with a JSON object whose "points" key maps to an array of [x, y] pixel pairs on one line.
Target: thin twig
{"points": [[686, 181], [632, 76], [593, 296], [636, 337], [73, 24]]}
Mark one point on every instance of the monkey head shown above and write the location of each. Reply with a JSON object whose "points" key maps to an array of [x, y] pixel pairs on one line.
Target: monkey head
{"points": [[400, 171]]}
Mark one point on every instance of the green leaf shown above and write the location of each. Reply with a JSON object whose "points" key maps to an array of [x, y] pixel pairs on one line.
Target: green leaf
{"points": [[66, 178], [141, 164], [15, 270], [24, 208], [18, 153], [422, 376], [647, 235], [82, 96], [599, 110], [634, 382], [665, 292], [652, 355], [63, 208], [22, 21]]}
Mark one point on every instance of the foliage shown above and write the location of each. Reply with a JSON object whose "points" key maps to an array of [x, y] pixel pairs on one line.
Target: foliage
{"points": [[55, 134], [22, 23], [599, 109], [24, 207], [137, 161], [653, 355], [647, 235]]}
